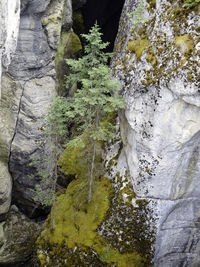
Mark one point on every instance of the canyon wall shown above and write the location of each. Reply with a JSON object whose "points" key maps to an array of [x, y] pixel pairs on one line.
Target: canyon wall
{"points": [[157, 61], [9, 27]]}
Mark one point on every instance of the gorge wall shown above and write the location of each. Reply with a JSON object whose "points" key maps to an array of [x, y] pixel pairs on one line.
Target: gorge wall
{"points": [[157, 63]]}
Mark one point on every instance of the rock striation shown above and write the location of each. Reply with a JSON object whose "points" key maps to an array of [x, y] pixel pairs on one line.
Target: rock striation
{"points": [[33, 67], [9, 24], [157, 62], [29, 37], [17, 237]]}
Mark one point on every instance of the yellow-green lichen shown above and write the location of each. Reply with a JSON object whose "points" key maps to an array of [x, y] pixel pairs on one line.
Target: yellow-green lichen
{"points": [[51, 19], [151, 58], [184, 43], [138, 46]]}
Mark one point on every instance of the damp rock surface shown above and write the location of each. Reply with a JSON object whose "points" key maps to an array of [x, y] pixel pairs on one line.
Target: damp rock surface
{"points": [[17, 239]]}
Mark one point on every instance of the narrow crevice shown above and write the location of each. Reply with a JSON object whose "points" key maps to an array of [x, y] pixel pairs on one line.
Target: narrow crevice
{"points": [[107, 15]]}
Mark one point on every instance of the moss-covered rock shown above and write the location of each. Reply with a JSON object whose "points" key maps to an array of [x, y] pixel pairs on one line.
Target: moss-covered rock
{"points": [[138, 46], [69, 47], [78, 23], [163, 49], [107, 232]]}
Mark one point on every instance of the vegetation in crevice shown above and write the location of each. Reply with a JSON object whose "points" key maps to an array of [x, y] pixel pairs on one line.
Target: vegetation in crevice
{"points": [[78, 23], [69, 47], [108, 231], [111, 228]]}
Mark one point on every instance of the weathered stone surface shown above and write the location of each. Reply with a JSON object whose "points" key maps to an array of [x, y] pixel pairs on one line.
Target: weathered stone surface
{"points": [[158, 66], [17, 237], [29, 139], [34, 68], [57, 13], [8, 111], [9, 26]]}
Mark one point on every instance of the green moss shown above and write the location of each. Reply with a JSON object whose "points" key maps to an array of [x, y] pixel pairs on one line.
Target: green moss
{"points": [[149, 80], [152, 5], [69, 46], [126, 227], [151, 58], [74, 160], [76, 229], [190, 76], [76, 220], [61, 47], [184, 43], [107, 231], [78, 23], [191, 3], [138, 46]]}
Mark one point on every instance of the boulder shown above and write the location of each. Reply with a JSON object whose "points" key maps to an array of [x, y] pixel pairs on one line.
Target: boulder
{"points": [[17, 238]]}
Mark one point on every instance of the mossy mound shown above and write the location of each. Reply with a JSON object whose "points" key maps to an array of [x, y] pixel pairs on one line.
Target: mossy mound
{"points": [[94, 233]]}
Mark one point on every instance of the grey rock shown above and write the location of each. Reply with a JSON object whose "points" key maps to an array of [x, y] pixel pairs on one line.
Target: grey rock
{"points": [[34, 6], [8, 111], [67, 15], [14, 208], [9, 26], [29, 139], [33, 55], [17, 237], [161, 126], [33, 68]]}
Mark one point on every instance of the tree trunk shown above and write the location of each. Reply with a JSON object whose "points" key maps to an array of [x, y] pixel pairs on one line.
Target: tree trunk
{"points": [[53, 215], [91, 173], [93, 158], [55, 174]]}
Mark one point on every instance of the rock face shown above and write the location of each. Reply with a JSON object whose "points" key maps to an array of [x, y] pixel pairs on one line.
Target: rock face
{"points": [[29, 35], [158, 65], [33, 68], [28, 87], [9, 22], [17, 237], [9, 26]]}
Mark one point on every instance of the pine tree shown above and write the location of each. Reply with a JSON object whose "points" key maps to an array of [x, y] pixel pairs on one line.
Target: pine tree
{"points": [[96, 96], [56, 133]]}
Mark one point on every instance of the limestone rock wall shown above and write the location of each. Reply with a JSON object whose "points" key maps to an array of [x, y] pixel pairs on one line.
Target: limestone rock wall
{"points": [[158, 65], [29, 37], [9, 26], [34, 68]]}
